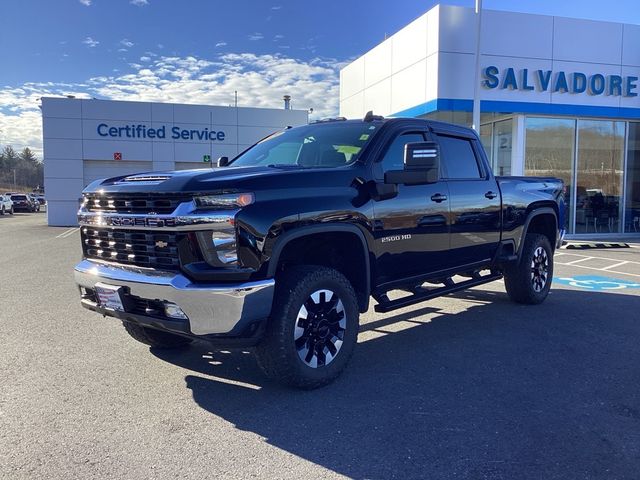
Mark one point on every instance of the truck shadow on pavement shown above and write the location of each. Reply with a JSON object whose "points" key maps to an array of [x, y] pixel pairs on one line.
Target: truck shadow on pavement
{"points": [[498, 390]]}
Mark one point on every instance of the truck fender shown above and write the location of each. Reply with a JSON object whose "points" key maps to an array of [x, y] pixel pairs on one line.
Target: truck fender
{"points": [[531, 216], [306, 230]]}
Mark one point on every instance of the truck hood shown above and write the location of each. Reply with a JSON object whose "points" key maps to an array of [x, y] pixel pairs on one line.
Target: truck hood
{"points": [[202, 179], [217, 179]]}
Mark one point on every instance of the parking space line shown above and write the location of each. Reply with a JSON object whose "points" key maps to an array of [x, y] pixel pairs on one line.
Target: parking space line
{"points": [[573, 262], [68, 233], [615, 260], [602, 270], [615, 265]]}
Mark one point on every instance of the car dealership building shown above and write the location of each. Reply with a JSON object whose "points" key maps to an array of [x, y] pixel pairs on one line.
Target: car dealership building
{"points": [[85, 140], [559, 97]]}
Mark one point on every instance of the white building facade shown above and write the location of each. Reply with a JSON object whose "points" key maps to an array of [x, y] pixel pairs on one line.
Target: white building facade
{"points": [[559, 96], [85, 140]]}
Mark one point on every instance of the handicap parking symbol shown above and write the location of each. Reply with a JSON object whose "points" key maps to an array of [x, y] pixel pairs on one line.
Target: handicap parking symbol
{"points": [[595, 282]]}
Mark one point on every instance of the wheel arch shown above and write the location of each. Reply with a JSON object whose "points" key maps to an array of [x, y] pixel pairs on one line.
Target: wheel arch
{"points": [[345, 239], [543, 220]]}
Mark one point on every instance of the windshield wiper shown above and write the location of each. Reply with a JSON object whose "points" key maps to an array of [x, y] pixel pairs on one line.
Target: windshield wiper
{"points": [[284, 165]]}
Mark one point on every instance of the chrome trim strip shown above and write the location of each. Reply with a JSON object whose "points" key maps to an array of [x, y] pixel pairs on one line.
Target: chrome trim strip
{"points": [[184, 218], [211, 308]]}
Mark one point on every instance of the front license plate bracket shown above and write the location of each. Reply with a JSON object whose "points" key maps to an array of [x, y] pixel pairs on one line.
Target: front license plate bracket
{"points": [[109, 297]]}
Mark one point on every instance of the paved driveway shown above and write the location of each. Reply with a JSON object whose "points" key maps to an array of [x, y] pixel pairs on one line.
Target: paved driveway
{"points": [[466, 386]]}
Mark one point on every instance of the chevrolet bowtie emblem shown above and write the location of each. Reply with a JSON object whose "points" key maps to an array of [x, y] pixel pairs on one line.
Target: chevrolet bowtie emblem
{"points": [[161, 244]]}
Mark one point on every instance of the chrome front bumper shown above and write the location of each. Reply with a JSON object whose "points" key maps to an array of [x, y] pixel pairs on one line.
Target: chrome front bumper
{"points": [[211, 309]]}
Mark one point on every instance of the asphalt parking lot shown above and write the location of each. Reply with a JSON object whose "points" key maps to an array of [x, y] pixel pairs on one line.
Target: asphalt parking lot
{"points": [[467, 386]]}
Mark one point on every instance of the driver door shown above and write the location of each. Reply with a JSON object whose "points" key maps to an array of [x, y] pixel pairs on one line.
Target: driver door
{"points": [[411, 230]]}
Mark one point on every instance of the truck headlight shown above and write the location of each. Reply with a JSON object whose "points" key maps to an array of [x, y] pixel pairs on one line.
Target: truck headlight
{"points": [[224, 201], [219, 246]]}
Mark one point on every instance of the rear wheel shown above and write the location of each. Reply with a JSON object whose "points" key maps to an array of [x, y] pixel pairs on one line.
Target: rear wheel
{"points": [[529, 280], [11, 211], [313, 327], [155, 338], [2, 210]]}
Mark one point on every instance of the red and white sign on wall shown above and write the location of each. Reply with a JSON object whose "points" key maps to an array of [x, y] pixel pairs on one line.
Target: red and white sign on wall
{"points": [[117, 155]]}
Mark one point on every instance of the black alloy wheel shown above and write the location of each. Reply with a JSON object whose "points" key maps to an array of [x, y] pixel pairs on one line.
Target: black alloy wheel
{"points": [[320, 328], [313, 327], [529, 280], [539, 269]]}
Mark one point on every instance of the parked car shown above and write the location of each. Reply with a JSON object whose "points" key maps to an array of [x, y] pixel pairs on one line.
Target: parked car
{"points": [[41, 199], [22, 202], [6, 205], [34, 202], [283, 248]]}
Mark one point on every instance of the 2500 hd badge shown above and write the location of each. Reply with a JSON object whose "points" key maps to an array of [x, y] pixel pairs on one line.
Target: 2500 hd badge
{"points": [[396, 238]]}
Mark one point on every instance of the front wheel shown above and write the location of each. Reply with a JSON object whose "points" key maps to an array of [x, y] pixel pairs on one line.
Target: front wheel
{"points": [[2, 210], [529, 280], [313, 327], [11, 211]]}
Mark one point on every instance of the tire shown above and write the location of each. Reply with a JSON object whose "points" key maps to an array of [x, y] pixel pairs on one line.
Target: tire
{"points": [[529, 280], [313, 327], [11, 211], [155, 338], [2, 210]]}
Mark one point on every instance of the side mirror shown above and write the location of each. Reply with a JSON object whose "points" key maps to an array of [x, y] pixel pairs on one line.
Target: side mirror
{"points": [[421, 165], [223, 161]]}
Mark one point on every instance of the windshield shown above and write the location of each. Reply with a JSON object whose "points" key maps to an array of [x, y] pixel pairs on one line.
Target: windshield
{"points": [[318, 145]]}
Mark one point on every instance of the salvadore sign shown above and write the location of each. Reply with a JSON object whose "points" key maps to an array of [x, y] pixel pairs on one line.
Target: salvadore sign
{"points": [[559, 81]]}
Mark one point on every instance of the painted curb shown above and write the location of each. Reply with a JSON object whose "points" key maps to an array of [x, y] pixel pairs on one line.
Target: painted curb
{"points": [[587, 245]]}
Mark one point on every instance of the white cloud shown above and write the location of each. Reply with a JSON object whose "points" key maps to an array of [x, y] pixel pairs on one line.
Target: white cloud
{"points": [[221, 44], [276, 7], [255, 36], [90, 42], [145, 59], [86, 3], [278, 37], [126, 43], [261, 81], [139, 3]]}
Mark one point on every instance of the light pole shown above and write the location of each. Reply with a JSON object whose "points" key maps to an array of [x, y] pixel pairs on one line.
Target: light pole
{"points": [[476, 85]]}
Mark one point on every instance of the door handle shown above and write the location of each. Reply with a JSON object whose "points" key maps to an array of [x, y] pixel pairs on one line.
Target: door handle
{"points": [[438, 197], [491, 195]]}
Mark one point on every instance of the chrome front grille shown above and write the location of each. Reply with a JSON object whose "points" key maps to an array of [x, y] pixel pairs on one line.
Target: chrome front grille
{"points": [[130, 247], [134, 203]]}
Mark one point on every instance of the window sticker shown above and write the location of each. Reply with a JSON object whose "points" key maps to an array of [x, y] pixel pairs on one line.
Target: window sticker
{"points": [[364, 137]]}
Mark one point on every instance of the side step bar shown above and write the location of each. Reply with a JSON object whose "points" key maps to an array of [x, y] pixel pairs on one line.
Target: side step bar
{"points": [[422, 294]]}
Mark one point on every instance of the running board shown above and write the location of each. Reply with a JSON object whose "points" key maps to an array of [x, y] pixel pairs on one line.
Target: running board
{"points": [[422, 294]]}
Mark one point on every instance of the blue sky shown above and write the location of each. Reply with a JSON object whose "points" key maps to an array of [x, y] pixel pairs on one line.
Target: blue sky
{"points": [[200, 51]]}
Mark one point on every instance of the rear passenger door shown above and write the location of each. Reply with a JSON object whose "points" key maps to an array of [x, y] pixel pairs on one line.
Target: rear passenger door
{"points": [[411, 230], [474, 199]]}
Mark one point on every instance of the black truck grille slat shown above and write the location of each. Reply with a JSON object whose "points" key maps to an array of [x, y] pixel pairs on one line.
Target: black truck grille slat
{"points": [[129, 203], [143, 249]]}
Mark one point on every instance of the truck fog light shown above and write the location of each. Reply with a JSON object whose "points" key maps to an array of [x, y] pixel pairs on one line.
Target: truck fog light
{"points": [[219, 246], [174, 311]]}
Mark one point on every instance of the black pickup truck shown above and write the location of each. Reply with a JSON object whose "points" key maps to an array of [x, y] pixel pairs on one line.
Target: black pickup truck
{"points": [[282, 247]]}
